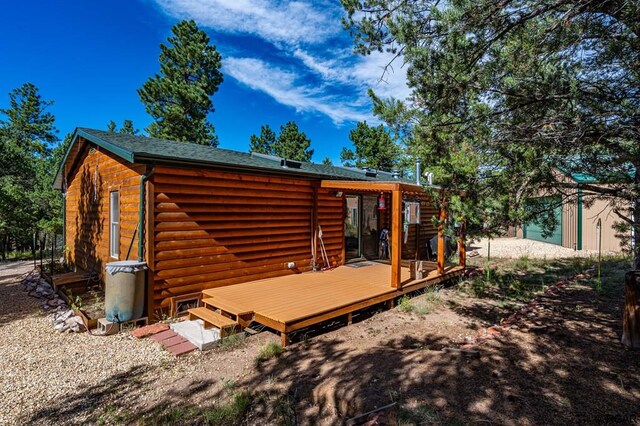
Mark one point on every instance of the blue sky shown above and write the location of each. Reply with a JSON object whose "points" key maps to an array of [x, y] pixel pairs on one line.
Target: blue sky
{"points": [[282, 61]]}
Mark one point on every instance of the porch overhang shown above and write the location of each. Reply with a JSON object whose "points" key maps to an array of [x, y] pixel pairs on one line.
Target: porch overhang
{"points": [[368, 186], [397, 189]]}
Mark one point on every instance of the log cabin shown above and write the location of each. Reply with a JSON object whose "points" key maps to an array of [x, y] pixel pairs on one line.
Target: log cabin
{"points": [[248, 237]]}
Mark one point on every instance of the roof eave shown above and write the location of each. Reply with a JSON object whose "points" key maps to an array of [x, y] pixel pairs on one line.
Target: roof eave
{"points": [[171, 161]]}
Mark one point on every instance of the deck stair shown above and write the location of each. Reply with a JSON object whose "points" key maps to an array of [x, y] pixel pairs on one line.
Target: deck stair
{"points": [[211, 318], [242, 315]]}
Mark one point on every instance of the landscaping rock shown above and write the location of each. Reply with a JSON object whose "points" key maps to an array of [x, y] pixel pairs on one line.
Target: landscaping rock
{"points": [[61, 316]]}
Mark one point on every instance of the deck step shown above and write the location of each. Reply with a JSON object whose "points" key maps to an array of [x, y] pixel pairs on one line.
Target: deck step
{"points": [[213, 319], [219, 304]]}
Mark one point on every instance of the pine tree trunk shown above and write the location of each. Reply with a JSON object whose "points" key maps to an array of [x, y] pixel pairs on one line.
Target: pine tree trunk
{"points": [[636, 228], [631, 314], [4, 247]]}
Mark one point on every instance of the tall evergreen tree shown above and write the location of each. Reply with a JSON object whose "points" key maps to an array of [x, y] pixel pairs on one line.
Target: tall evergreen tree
{"points": [[263, 144], [521, 88], [27, 133], [374, 148], [179, 97], [292, 143], [26, 122]]}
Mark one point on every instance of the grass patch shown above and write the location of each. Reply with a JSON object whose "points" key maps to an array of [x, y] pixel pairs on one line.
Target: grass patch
{"points": [[612, 271], [422, 308], [432, 294], [421, 305], [404, 304], [519, 280], [270, 350], [523, 263], [231, 413], [110, 416], [228, 385], [232, 342], [420, 415], [284, 409]]}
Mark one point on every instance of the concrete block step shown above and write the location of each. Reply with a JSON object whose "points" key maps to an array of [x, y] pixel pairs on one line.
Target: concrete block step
{"points": [[194, 331]]}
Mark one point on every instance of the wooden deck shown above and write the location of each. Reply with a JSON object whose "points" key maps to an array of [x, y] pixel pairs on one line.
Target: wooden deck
{"points": [[293, 302]]}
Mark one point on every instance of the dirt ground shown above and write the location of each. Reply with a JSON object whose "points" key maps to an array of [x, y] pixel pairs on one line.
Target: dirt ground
{"points": [[561, 363]]}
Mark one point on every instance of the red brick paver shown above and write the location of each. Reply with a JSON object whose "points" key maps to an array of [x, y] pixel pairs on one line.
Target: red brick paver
{"points": [[168, 338], [172, 341], [149, 330], [164, 335], [182, 348]]}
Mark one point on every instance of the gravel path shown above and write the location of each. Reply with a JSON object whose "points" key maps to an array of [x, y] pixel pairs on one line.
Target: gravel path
{"points": [[514, 248], [40, 368]]}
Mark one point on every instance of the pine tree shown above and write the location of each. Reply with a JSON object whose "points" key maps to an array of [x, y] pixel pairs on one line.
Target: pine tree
{"points": [[126, 129], [504, 93], [27, 124], [292, 144], [27, 133], [374, 148], [263, 144], [179, 97]]}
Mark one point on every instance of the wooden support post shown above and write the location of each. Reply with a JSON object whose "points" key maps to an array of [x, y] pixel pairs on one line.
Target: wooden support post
{"points": [[396, 239], [441, 245], [350, 318], [391, 303], [462, 245], [343, 255], [284, 339], [314, 228], [631, 314]]}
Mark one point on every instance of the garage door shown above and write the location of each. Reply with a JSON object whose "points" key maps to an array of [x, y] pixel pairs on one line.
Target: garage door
{"points": [[533, 230]]}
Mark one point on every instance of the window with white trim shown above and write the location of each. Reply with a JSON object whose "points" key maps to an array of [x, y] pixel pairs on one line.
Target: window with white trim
{"points": [[114, 224]]}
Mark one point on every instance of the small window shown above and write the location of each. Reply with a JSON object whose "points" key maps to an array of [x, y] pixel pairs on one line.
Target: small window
{"points": [[114, 224]]}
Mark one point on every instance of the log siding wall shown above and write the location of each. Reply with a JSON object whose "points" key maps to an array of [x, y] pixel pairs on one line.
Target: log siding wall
{"points": [[214, 228], [87, 209]]}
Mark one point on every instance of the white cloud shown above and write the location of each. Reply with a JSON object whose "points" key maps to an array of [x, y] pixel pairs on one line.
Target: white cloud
{"points": [[289, 22], [309, 46], [286, 88], [375, 71]]}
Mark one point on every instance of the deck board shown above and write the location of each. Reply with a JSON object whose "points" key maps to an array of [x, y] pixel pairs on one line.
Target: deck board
{"points": [[301, 297]]}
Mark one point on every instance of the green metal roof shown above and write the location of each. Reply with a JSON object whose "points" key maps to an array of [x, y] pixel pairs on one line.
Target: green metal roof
{"points": [[598, 169], [148, 150]]}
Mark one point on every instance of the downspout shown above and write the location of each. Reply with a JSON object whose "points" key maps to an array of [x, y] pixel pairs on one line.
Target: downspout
{"points": [[64, 228], [579, 217], [141, 212]]}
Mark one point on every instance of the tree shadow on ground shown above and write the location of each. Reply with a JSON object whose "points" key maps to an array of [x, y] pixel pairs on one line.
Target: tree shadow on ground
{"points": [[565, 365], [120, 399]]}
